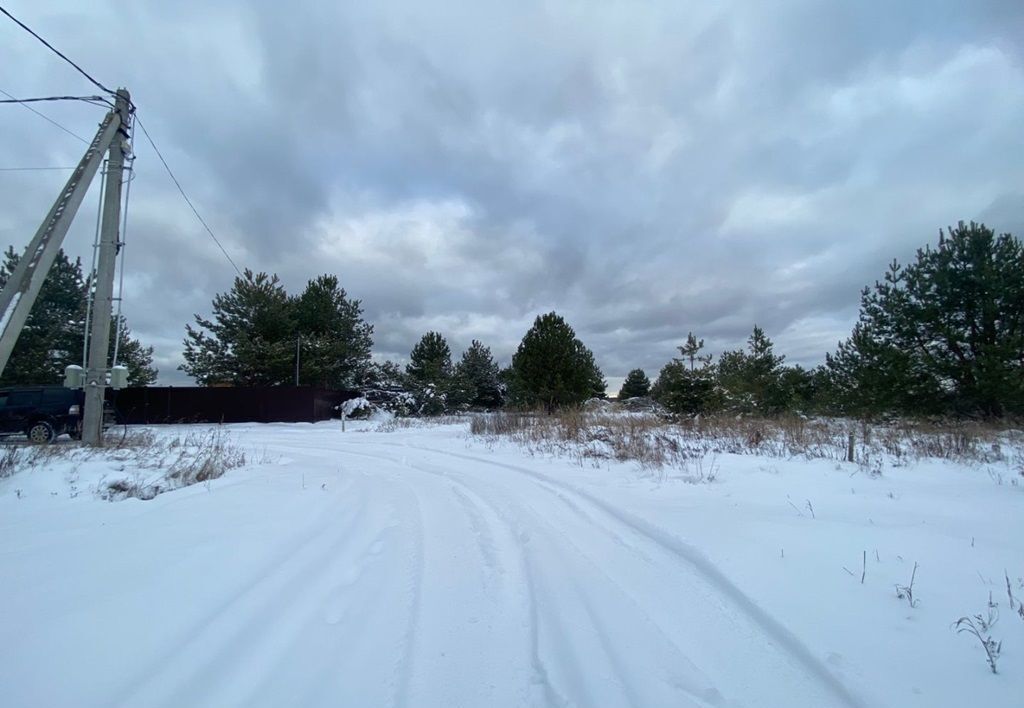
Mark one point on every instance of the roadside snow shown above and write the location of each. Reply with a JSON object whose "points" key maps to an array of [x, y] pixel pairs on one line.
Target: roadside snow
{"points": [[424, 567]]}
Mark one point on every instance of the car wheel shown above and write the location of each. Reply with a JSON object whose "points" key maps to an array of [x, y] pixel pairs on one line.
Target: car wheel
{"points": [[41, 432]]}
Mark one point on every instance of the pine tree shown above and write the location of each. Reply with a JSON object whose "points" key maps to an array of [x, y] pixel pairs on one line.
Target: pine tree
{"points": [[686, 385], [691, 352], [943, 334], [475, 380], [335, 341], [385, 385], [553, 368], [806, 390], [636, 384], [383, 376], [132, 354], [54, 332], [869, 376], [52, 336], [430, 361], [430, 373], [751, 380], [249, 340]]}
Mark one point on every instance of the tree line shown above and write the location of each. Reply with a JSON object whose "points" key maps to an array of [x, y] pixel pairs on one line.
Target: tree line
{"points": [[942, 335], [258, 334]]}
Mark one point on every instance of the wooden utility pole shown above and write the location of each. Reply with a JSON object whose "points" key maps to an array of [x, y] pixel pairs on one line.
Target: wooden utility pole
{"points": [[103, 293]]}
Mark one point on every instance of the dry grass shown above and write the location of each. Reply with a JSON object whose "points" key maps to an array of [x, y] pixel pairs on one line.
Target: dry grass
{"points": [[595, 436], [147, 464], [653, 442], [391, 425], [161, 464]]}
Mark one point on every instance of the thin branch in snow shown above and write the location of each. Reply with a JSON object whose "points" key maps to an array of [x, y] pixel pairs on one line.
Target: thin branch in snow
{"points": [[979, 627], [906, 592]]}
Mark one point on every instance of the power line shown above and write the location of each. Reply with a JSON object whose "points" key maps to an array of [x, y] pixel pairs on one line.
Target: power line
{"points": [[87, 99], [45, 117], [28, 169], [144, 131], [55, 51], [185, 196]]}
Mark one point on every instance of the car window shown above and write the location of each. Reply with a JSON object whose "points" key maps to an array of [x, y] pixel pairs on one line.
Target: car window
{"points": [[23, 398], [56, 395], [3, 400]]}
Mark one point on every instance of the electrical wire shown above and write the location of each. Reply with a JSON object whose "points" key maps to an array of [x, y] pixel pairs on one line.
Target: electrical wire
{"points": [[122, 246], [41, 99], [30, 169], [185, 196], [46, 117], [53, 49]]}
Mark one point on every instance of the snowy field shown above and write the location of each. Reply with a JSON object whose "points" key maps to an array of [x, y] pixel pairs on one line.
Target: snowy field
{"points": [[426, 567]]}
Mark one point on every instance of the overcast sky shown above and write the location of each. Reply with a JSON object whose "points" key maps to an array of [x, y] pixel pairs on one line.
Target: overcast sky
{"points": [[643, 168]]}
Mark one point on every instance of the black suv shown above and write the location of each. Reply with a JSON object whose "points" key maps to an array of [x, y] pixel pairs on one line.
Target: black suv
{"points": [[40, 412]]}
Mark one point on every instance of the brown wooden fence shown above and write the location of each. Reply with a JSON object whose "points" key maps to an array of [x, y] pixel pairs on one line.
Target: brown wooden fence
{"points": [[248, 404]]}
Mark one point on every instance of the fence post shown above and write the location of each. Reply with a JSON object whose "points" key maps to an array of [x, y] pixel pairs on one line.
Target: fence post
{"points": [[849, 447]]}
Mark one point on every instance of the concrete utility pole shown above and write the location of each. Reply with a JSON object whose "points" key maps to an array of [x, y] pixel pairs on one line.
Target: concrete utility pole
{"points": [[22, 288], [103, 298]]}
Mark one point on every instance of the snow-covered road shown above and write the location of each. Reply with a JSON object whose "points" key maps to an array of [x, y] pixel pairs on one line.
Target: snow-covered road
{"points": [[371, 569]]}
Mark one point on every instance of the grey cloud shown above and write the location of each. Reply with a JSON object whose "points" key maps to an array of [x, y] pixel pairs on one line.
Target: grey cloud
{"points": [[645, 170]]}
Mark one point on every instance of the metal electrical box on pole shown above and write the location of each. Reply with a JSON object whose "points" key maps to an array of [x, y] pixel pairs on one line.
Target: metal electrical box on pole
{"points": [[103, 294]]}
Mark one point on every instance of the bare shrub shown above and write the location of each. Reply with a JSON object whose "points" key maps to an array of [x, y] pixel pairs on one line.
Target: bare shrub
{"points": [[9, 461], [164, 464], [136, 438], [147, 463], [205, 457]]}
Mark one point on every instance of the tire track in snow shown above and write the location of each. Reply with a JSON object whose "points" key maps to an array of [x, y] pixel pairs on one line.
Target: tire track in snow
{"points": [[470, 504], [473, 503], [245, 633], [251, 586], [541, 675], [405, 660], [254, 629], [696, 686], [773, 630], [493, 570], [699, 692], [697, 689], [263, 650], [405, 666]]}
